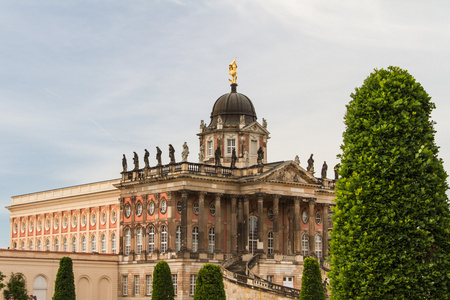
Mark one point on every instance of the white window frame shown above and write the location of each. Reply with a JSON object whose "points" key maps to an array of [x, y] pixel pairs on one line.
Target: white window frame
{"points": [[93, 243], [136, 285], [125, 285], [211, 240], [270, 242], [56, 245], [148, 285], [103, 239], [163, 239], [175, 283], [195, 239], [210, 146], [193, 280], [127, 241], [318, 241], [65, 244], [74, 244], [178, 238], [83, 244], [139, 241], [305, 244], [113, 243], [254, 145], [151, 240]]}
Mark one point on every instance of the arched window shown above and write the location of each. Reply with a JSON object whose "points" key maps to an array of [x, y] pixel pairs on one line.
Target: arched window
{"points": [[93, 243], [31, 245], [56, 245], [253, 234], [113, 243], [127, 241], [178, 238], [39, 246], [270, 242], [103, 243], [194, 239], [65, 244], [83, 244], [163, 239], [139, 241], [305, 244], [318, 246], [23, 246], [151, 240], [212, 240], [74, 244]]}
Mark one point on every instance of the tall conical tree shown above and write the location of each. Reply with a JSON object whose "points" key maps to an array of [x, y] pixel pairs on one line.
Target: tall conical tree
{"points": [[391, 230], [312, 288], [64, 284], [162, 282]]}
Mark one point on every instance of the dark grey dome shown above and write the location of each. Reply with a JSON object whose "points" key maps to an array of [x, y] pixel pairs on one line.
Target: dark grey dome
{"points": [[231, 106]]}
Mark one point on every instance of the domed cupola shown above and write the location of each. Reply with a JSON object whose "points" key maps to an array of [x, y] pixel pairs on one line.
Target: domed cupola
{"points": [[230, 107]]}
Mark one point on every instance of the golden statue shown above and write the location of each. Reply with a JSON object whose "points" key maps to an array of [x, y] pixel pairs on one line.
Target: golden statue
{"points": [[232, 71]]}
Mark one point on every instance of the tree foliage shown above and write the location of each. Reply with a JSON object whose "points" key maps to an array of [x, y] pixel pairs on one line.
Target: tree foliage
{"points": [[162, 282], [2, 276], [64, 284], [209, 284], [16, 287], [312, 288], [391, 233]]}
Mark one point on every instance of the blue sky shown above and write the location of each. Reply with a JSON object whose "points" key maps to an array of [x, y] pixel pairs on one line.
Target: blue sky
{"points": [[82, 82]]}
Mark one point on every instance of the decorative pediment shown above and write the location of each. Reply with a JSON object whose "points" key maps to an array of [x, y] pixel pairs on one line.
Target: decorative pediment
{"points": [[291, 173], [255, 127]]}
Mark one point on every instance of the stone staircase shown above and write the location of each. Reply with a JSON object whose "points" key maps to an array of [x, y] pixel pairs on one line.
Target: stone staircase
{"points": [[237, 270]]}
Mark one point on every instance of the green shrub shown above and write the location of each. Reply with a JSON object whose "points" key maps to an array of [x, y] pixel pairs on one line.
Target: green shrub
{"points": [[391, 233], [64, 284], [16, 287], [312, 288], [162, 282], [209, 284]]}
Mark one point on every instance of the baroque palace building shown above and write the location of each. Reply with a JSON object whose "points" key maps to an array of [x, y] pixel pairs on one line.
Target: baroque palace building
{"points": [[257, 219]]}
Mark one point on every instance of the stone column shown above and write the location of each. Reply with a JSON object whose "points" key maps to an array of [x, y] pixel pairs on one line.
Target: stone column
{"points": [[233, 224], [297, 220], [171, 206], [326, 208], [120, 226], [245, 223], [144, 225], [276, 233], [240, 227], [260, 246], [132, 228], [202, 221], [218, 225], [184, 211], [312, 229]]}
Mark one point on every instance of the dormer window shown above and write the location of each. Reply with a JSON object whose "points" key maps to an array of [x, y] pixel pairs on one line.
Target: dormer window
{"points": [[231, 144], [210, 148]]}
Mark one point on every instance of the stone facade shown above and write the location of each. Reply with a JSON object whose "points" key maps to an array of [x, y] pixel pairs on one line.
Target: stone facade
{"points": [[95, 275], [256, 219]]}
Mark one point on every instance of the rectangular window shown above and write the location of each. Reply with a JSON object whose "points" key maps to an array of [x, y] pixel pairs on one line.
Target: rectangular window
{"points": [[125, 285], [253, 147], [148, 285], [209, 147], [192, 288], [231, 144], [136, 284], [175, 283], [270, 278]]}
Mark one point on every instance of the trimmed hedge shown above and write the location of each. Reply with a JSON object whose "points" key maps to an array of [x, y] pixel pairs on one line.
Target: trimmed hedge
{"points": [[209, 284], [391, 233], [162, 282], [64, 284], [312, 288]]}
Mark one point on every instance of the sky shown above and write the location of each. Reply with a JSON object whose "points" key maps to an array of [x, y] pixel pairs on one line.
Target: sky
{"points": [[83, 82]]}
